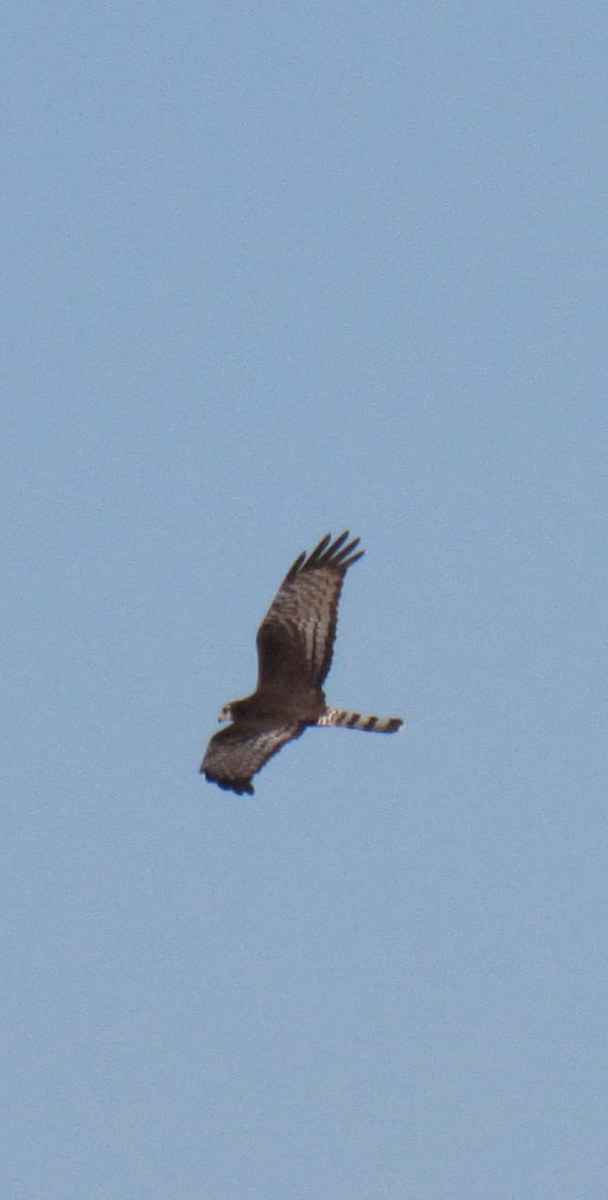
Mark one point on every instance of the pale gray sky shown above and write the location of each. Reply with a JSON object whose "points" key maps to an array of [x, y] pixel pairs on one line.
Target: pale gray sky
{"points": [[272, 271]]}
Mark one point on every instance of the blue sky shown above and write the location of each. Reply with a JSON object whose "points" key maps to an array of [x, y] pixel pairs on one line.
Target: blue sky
{"points": [[272, 271]]}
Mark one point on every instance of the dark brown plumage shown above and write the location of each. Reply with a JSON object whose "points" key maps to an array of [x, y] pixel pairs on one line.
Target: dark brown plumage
{"points": [[295, 647]]}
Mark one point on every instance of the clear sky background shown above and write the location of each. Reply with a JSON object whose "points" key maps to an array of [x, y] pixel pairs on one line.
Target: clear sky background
{"points": [[271, 270]]}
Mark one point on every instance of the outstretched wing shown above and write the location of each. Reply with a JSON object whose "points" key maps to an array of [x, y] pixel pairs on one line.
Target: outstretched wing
{"points": [[235, 754], [295, 640]]}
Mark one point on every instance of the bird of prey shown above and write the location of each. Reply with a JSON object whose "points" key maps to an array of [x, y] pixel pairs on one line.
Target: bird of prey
{"points": [[295, 646]]}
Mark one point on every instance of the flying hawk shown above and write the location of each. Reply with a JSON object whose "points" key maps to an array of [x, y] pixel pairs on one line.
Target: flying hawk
{"points": [[295, 645]]}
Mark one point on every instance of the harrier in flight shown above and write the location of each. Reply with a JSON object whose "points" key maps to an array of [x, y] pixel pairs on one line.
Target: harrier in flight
{"points": [[295, 645]]}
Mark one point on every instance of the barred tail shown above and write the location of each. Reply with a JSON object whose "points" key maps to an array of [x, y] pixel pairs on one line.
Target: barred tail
{"points": [[355, 720]]}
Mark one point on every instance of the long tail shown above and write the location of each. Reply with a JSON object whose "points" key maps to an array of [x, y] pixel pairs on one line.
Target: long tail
{"points": [[355, 720]]}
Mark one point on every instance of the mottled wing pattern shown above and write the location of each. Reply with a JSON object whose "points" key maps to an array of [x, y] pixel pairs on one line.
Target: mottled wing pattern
{"points": [[235, 754], [295, 640]]}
